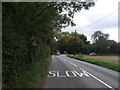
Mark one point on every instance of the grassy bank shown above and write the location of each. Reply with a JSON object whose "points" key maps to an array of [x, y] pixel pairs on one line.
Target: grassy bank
{"points": [[106, 55], [108, 64], [33, 77], [99, 55]]}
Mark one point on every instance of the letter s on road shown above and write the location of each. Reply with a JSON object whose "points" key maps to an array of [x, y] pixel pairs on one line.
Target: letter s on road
{"points": [[52, 74]]}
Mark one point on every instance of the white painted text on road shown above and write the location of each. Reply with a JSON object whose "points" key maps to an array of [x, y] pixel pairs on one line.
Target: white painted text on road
{"points": [[67, 74]]}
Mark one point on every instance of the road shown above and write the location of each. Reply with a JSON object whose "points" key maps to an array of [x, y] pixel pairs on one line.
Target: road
{"points": [[66, 72]]}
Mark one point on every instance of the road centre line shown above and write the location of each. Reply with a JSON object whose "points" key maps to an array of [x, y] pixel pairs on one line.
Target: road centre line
{"points": [[98, 79], [72, 64], [65, 59]]}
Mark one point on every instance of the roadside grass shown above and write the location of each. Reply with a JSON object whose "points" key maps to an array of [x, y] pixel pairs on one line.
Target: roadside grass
{"points": [[108, 64], [106, 55], [32, 78], [98, 55]]}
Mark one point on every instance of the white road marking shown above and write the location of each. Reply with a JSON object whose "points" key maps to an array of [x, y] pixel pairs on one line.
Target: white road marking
{"points": [[98, 80], [65, 59], [70, 74], [51, 74], [58, 74], [81, 74], [72, 64]]}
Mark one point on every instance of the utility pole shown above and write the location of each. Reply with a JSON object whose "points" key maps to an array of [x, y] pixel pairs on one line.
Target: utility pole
{"points": [[75, 44]]}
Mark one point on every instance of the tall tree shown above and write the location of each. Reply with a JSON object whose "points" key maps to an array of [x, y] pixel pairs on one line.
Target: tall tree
{"points": [[26, 25], [97, 35], [113, 47], [100, 42], [68, 42], [81, 36]]}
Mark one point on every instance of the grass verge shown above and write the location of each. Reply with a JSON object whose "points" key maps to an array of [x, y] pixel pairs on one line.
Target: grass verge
{"points": [[106, 55], [108, 64], [98, 55], [33, 77]]}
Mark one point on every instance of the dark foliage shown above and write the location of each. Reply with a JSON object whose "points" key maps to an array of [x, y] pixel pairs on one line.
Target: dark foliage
{"points": [[28, 32]]}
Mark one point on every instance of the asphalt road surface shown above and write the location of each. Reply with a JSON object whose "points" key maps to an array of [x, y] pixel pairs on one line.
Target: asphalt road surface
{"points": [[66, 72]]}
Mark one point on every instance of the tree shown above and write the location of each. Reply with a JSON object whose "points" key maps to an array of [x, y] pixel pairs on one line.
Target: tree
{"points": [[22, 20], [76, 45], [68, 42], [97, 35], [113, 47], [81, 36], [119, 48], [100, 42]]}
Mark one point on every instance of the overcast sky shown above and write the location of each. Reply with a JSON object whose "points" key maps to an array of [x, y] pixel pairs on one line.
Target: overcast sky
{"points": [[85, 20]]}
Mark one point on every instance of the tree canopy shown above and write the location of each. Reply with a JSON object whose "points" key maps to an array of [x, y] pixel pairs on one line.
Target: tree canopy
{"points": [[29, 30], [98, 35], [69, 42]]}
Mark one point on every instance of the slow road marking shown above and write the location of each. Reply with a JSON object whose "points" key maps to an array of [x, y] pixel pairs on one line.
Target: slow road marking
{"points": [[67, 74]]}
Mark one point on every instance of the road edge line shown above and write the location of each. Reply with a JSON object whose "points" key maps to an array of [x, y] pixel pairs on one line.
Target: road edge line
{"points": [[98, 79]]}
